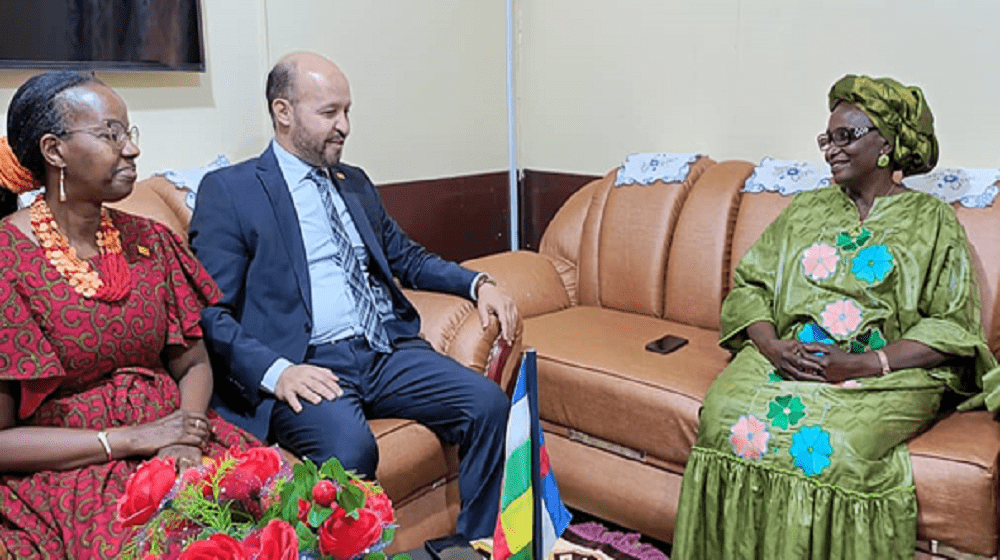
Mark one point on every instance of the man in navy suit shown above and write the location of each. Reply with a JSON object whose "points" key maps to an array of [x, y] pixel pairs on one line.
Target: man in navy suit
{"points": [[312, 336]]}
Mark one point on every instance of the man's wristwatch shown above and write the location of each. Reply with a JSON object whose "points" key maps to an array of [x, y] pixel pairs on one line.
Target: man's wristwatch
{"points": [[482, 279]]}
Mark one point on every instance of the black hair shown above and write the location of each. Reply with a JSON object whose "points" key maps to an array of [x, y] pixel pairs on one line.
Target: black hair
{"points": [[8, 202], [280, 85], [36, 110]]}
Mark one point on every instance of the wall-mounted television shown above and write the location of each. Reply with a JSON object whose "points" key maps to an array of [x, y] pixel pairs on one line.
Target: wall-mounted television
{"points": [[103, 35]]}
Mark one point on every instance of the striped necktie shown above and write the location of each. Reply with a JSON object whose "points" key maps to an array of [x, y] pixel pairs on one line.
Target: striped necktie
{"points": [[361, 292]]}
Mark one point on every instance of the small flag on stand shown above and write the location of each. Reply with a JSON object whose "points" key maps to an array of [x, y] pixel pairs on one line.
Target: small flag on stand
{"points": [[532, 515]]}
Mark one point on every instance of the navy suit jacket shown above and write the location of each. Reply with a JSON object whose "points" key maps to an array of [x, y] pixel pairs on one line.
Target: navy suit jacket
{"points": [[246, 232]]}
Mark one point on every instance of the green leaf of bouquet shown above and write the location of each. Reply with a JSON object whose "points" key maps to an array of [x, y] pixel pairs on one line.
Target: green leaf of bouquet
{"points": [[350, 498], [332, 468], [318, 514], [388, 534], [402, 556], [307, 539], [375, 556]]}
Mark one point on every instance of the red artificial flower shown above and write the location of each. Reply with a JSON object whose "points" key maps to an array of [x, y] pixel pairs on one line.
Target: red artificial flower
{"points": [[254, 468], [216, 547], [324, 493], [304, 507], [381, 505], [145, 490], [378, 502], [276, 541], [343, 537]]}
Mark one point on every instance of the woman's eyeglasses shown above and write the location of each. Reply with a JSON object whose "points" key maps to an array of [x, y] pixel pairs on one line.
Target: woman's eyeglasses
{"points": [[842, 137], [114, 133]]}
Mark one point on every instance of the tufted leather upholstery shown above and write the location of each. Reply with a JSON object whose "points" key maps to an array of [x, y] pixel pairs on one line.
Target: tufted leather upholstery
{"points": [[618, 267]]}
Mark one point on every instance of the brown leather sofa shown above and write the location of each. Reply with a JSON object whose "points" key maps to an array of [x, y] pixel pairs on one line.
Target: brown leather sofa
{"points": [[621, 266], [419, 474]]}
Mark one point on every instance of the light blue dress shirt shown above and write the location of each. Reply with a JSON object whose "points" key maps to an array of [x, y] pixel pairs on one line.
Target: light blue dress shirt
{"points": [[334, 313], [333, 309]]}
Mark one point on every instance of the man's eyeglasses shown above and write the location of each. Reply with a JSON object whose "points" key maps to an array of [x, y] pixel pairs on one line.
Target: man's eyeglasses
{"points": [[842, 137], [114, 133]]}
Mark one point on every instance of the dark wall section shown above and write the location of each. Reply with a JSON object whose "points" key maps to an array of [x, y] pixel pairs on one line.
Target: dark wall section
{"points": [[465, 217], [542, 194], [458, 218]]}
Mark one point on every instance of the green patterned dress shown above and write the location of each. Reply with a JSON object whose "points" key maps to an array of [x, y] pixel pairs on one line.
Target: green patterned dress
{"points": [[788, 469]]}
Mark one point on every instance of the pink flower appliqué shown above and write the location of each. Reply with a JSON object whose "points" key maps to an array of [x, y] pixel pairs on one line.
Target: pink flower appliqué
{"points": [[749, 437], [820, 261], [841, 317]]}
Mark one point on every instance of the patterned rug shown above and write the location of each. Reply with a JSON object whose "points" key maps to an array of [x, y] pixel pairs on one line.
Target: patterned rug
{"points": [[594, 541]]}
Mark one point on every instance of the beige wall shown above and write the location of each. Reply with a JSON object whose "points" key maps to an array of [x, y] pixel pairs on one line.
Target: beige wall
{"points": [[427, 76], [427, 79], [598, 79]]}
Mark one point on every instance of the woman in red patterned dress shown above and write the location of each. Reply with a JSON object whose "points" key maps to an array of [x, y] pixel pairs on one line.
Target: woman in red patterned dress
{"points": [[101, 359]]}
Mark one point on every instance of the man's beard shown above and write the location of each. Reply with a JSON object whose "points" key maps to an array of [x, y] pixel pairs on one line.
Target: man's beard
{"points": [[313, 150]]}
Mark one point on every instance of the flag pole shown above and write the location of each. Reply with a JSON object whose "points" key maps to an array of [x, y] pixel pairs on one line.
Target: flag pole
{"points": [[531, 379]]}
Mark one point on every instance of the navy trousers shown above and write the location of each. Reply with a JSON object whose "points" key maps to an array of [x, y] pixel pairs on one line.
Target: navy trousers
{"points": [[413, 382]]}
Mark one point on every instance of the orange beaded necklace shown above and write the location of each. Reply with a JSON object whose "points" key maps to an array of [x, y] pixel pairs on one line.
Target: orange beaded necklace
{"points": [[113, 280]]}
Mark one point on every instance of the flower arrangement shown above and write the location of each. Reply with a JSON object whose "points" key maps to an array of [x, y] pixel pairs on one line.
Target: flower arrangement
{"points": [[251, 505]]}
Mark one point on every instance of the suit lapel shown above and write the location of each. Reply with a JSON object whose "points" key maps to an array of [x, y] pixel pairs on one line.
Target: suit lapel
{"points": [[288, 220]]}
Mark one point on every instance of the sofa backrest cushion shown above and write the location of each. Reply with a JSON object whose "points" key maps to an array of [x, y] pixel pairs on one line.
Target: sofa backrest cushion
{"points": [[982, 225], [158, 199], [625, 242], [698, 268]]}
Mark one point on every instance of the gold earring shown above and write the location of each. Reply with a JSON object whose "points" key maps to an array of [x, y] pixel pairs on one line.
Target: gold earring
{"points": [[62, 184], [883, 160]]}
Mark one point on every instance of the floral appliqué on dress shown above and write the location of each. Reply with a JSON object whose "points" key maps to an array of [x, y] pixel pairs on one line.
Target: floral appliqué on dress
{"points": [[868, 340], [811, 332], [749, 437], [848, 243], [785, 411], [872, 264], [811, 449], [841, 317], [819, 261]]}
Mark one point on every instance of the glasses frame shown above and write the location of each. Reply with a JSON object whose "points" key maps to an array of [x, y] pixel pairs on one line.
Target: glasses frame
{"points": [[854, 133], [114, 137]]}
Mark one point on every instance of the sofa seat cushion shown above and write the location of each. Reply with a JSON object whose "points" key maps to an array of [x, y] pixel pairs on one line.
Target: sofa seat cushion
{"points": [[955, 472], [411, 458], [594, 374]]}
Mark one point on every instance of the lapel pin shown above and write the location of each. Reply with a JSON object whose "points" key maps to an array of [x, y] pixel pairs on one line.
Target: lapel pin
{"points": [[341, 176]]}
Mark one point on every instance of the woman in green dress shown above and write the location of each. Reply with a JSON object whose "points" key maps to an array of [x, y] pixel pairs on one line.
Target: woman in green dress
{"points": [[850, 319]]}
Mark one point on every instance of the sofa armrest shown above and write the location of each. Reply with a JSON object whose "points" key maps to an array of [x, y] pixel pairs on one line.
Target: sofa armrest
{"points": [[451, 325], [532, 280]]}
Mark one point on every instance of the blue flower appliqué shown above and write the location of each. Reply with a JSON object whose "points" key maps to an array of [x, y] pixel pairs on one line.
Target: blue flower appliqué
{"points": [[872, 264], [811, 449], [811, 332]]}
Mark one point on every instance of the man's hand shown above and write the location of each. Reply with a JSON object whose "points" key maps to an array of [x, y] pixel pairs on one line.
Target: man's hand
{"points": [[491, 300], [308, 382]]}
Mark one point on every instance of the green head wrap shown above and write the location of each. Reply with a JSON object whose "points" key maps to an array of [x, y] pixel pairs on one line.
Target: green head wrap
{"points": [[900, 114]]}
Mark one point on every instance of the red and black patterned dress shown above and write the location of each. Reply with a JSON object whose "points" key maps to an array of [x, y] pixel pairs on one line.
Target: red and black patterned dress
{"points": [[85, 363]]}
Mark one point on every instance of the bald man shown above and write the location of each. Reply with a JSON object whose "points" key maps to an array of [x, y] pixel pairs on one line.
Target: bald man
{"points": [[313, 337]]}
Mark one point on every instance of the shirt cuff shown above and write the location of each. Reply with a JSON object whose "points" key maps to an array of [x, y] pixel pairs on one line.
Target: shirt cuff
{"points": [[270, 380], [472, 287]]}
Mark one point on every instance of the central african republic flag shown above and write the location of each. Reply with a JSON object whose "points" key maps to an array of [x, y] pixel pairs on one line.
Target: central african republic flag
{"points": [[532, 515]]}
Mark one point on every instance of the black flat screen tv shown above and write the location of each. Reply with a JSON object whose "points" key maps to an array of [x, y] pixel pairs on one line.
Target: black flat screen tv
{"points": [[103, 35]]}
